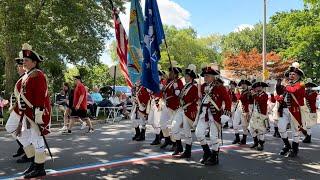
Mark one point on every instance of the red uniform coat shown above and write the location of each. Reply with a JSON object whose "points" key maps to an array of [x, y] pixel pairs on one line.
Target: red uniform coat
{"points": [[218, 94], [35, 89], [298, 90], [172, 100], [245, 99], [233, 96], [190, 96], [261, 102], [143, 96], [311, 97]]}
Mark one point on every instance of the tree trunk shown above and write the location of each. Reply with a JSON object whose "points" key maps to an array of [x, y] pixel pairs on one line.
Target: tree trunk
{"points": [[10, 53]]}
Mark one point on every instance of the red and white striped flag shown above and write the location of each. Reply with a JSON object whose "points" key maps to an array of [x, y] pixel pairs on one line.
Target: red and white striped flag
{"points": [[122, 47]]}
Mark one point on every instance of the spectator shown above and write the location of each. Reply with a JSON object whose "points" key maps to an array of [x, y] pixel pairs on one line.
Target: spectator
{"points": [[90, 104], [97, 98], [115, 99], [61, 100]]}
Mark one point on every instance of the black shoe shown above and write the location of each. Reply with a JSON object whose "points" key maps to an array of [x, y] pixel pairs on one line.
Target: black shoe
{"points": [[38, 171], [237, 139], [276, 132], [178, 149], [307, 139], [142, 136], [156, 141], [226, 125], [166, 142], [30, 168], [187, 152], [260, 145], [286, 147], [24, 159], [206, 153], [213, 159], [161, 136], [208, 134], [137, 129], [294, 151], [244, 139], [20, 151], [255, 143]]}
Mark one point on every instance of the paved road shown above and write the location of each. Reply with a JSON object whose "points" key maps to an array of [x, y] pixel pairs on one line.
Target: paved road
{"points": [[109, 153]]}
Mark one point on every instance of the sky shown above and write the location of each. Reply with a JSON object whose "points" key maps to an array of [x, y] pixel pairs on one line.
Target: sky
{"points": [[212, 16]]}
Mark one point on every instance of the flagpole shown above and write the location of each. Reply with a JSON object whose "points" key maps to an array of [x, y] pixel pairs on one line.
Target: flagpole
{"points": [[165, 42]]}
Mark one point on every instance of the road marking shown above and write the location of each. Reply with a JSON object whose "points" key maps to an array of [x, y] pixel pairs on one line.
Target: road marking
{"points": [[116, 163]]}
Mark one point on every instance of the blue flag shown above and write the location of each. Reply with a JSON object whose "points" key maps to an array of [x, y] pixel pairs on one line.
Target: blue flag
{"points": [[153, 37], [135, 56]]}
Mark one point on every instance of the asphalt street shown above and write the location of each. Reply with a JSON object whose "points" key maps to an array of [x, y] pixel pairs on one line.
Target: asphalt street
{"points": [[109, 153]]}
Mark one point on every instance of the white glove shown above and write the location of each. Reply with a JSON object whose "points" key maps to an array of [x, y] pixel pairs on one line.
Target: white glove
{"points": [[224, 119], [38, 116], [175, 85], [177, 92]]}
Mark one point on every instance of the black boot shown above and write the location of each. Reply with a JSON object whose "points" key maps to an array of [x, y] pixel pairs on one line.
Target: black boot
{"points": [[294, 151], [161, 136], [142, 136], [37, 172], [24, 159], [206, 153], [187, 152], [255, 143], [213, 159], [166, 142], [178, 149], [30, 168], [137, 133], [20, 151], [307, 139], [276, 132], [208, 134], [237, 139], [286, 147], [156, 141], [244, 139], [226, 125], [260, 146]]}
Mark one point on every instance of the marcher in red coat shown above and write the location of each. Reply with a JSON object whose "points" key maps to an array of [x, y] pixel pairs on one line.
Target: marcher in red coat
{"points": [[15, 125], [259, 119], [211, 114], [37, 110], [142, 99], [293, 95], [186, 114], [311, 100], [171, 97], [245, 99], [234, 99]]}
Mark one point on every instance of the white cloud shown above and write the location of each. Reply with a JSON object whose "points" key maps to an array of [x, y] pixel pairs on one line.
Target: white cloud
{"points": [[242, 27]]}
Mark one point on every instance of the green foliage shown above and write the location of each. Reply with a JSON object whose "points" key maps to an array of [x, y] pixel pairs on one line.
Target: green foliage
{"points": [[186, 48], [72, 31]]}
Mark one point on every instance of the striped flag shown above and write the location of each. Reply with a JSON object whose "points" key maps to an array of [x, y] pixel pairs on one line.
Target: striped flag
{"points": [[122, 46]]}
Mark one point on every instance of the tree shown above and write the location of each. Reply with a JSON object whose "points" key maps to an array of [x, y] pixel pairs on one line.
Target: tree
{"points": [[70, 31], [250, 64]]}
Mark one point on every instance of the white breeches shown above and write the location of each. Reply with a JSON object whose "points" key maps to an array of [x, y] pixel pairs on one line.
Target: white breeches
{"points": [[282, 124], [154, 119], [137, 118], [166, 118], [202, 126], [181, 125]]}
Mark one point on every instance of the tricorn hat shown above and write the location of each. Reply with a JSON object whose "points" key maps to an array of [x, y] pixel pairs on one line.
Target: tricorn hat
{"points": [[309, 83], [295, 67], [27, 52], [174, 67], [191, 71], [209, 69]]}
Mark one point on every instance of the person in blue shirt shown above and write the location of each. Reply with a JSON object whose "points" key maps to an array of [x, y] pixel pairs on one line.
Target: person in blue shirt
{"points": [[96, 97]]}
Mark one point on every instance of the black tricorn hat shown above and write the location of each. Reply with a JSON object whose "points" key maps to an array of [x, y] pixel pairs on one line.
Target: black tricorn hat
{"points": [[244, 81], [259, 84], [27, 52], [191, 71]]}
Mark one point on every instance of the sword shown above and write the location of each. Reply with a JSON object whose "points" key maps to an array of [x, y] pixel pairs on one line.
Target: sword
{"points": [[44, 138]]}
